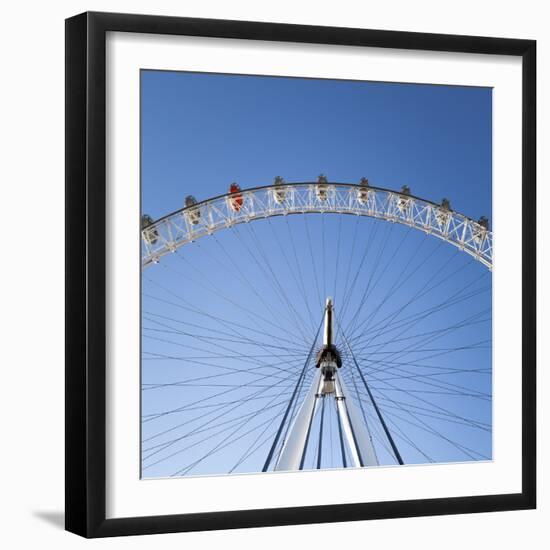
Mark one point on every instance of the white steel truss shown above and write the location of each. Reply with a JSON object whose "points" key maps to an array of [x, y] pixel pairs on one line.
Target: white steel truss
{"points": [[204, 218]]}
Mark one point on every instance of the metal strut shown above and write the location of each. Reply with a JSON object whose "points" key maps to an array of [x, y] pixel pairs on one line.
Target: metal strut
{"points": [[375, 405]]}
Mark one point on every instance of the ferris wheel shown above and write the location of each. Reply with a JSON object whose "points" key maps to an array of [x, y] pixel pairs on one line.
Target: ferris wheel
{"points": [[277, 337]]}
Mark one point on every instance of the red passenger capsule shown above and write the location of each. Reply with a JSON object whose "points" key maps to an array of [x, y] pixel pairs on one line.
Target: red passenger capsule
{"points": [[236, 200]]}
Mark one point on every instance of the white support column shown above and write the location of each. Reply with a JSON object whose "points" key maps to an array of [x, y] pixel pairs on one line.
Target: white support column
{"points": [[328, 384], [293, 447], [355, 430]]}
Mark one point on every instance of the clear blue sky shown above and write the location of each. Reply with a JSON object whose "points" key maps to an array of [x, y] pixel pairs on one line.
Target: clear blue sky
{"points": [[200, 132]]}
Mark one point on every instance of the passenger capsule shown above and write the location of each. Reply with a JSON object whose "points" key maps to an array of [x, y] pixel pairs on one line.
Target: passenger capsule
{"points": [[322, 188], [363, 191], [236, 199], [480, 229], [403, 202], [193, 215], [148, 231], [443, 213], [279, 193]]}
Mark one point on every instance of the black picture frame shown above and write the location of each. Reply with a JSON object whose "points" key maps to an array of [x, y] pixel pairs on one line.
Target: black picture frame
{"points": [[86, 269]]}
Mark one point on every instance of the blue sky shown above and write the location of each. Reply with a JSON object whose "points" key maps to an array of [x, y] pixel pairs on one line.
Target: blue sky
{"points": [[200, 132]]}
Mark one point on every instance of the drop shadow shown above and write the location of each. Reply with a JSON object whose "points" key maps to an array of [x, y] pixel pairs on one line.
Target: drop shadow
{"points": [[55, 518]]}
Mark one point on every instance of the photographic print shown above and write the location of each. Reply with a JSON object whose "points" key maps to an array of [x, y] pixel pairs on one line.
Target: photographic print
{"points": [[316, 274]]}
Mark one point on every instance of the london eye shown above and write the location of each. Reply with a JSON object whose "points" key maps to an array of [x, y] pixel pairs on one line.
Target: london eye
{"points": [[314, 325]]}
